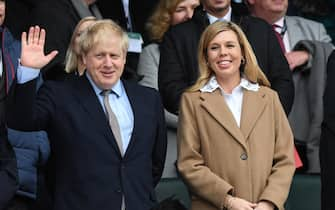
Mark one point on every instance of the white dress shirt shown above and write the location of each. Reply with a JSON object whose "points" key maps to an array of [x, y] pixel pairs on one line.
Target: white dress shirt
{"points": [[233, 100], [120, 105], [213, 19], [286, 41]]}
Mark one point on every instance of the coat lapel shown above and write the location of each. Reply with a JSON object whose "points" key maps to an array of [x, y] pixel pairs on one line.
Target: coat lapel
{"points": [[90, 103], [293, 31], [252, 108], [214, 103]]}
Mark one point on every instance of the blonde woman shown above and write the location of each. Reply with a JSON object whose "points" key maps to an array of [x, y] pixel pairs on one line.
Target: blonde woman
{"points": [[73, 61], [235, 146]]}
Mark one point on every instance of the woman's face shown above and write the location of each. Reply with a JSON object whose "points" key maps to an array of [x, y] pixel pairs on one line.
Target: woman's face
{"points": [[224, 56], [80, 30], [184, 11]]}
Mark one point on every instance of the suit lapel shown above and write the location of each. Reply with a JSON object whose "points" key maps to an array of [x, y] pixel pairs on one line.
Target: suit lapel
{"points": [[252, 108], [136, 105], [90, 103], [214, 103], [293, 31]]}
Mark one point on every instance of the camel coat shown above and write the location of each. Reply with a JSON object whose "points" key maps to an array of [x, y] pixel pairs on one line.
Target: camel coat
{"points": [[216, 157]]}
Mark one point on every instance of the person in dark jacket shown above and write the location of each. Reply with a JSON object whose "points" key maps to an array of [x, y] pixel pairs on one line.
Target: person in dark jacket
{"points": [[327, 143], [31, 148], [178, 68], [8, 170]]}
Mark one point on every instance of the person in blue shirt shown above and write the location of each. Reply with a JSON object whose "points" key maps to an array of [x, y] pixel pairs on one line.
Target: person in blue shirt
{"points": [[96, 164]]}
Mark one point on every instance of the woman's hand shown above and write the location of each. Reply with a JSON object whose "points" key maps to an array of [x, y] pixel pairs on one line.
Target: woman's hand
{"points": [[265, 205], [32, 49], [235, 203]]}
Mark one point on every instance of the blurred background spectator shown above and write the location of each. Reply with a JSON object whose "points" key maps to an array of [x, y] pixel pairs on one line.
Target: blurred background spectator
{"points": [[166, 14]]}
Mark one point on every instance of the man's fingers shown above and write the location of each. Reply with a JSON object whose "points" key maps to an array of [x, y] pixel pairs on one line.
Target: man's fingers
{"points": [[41, 40], [36, 35], [51, 55], [30, 35], [24, 38]]}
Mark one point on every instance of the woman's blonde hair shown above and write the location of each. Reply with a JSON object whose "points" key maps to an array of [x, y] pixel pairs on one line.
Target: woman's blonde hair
{"points": [[250, 67], [71, 58], [160, 21], [98, 31]]}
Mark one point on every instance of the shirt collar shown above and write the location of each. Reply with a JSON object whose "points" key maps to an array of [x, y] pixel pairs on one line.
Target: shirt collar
{"points": [[227, 17], [280, 22], [117, 88], [212, 85]]}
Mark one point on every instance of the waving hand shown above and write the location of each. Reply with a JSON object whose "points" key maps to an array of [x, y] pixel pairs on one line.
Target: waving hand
{"points": [[32, 49]]}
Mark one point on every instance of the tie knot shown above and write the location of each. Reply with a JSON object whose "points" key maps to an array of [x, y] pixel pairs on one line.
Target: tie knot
{"points": [[276, 28], [279, 29], [105, 92]]}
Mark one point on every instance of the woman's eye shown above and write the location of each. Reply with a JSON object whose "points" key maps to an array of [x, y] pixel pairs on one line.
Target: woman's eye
{"points": [[179, 10], [214, 47]]}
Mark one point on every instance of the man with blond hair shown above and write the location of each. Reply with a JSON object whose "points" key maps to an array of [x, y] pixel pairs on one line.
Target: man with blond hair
{"points": [[108, 144]]}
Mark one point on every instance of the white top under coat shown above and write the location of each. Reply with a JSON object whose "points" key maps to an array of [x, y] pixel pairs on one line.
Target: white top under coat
{"points": [[235, 99]]}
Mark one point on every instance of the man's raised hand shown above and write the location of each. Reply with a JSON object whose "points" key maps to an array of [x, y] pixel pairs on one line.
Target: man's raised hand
{"points": [[32, 49]]}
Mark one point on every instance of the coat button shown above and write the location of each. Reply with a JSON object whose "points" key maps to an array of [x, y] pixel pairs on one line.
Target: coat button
{"points": [[244, 156]]}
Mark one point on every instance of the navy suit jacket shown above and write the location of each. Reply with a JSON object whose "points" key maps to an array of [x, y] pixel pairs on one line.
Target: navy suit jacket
{"points": [[89, 172]]}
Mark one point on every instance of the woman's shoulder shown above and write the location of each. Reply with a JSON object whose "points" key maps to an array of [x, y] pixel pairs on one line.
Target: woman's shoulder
{"points": [[268, 91]]}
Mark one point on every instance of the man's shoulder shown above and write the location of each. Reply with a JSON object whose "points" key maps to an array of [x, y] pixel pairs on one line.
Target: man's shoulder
{"points": [[267, 91], [302, 20], [138, 89], [252, 21]]}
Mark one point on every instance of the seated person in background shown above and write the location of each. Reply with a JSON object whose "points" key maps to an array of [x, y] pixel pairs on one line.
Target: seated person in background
{"points": [[108, 144], [306, 46], [73, 60], [235, 145], [167, 13]]}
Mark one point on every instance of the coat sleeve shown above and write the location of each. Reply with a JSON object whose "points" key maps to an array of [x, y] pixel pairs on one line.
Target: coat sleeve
{"points": [[28, 110], [283, 166], [199, 178]]}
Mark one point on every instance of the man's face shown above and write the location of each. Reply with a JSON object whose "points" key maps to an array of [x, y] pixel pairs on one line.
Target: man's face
{"points": [[268, 9], [216, 8], [105, 61], [2, 12]]}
